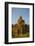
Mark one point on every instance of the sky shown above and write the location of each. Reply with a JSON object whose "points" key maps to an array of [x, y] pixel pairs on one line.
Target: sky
{"points": [[17, 12]]}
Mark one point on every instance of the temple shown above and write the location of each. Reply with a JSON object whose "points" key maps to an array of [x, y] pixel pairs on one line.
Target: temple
{"points": [[19, 28]]}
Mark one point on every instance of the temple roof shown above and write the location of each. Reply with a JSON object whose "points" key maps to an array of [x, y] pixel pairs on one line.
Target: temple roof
{"points": [[20, 19]]}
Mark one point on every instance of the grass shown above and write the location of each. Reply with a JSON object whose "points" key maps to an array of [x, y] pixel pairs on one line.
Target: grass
{"points": [[22, 36]]}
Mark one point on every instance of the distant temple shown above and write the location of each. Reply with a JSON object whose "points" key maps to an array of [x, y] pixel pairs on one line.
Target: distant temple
{"points": [[19, 28]]}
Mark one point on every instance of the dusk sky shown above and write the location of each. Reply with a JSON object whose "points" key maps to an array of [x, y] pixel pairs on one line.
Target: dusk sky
{"points": [[16, 12]]}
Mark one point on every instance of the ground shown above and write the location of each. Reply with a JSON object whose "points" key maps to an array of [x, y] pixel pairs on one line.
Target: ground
{"points": [[22, 36]]}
